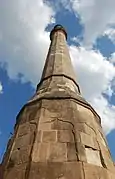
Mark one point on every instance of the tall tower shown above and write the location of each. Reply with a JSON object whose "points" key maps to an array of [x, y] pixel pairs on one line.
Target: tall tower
{"points": [[58, 135]]}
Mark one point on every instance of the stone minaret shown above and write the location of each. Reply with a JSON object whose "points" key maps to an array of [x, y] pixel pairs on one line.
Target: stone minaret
{"points": [[58, 135]]}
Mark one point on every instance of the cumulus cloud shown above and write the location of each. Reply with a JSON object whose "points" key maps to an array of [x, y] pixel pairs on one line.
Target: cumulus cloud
{"points": [[110, 32], [1, 88], [96, 16], [95, 74], [23, 39]]}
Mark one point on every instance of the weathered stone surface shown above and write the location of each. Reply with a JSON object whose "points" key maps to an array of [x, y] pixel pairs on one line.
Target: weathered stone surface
{"points": [[19, 156], [79, 126], [60, 125], [89, 141], [26, 128], [89, 130], [24, 141], [72, 154], [44, 126], [81, 152], [58, 135], [65, 136], [48, 170], [107, 160], [57, 152], [33, 112], [74, 170], [85, 112], [56, 170], [17, 172], [40, 152], [111, 174], [93, 157], [101, 139], [7, 153], [38, 136], [94, 172], [49, 136]]}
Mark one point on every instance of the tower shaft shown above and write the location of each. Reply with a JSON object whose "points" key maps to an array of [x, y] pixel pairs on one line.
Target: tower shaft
{"points": [[58, 135]]}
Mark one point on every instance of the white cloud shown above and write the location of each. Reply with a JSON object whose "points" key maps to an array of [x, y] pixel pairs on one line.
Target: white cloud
{"points": [[95, 74], [23, 39], [96, 16], [76, 40], [111, 34], [1, 88]]}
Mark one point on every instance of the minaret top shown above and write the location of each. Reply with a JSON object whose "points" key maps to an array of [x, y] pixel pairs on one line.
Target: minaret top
{"points": [[56, 28]]}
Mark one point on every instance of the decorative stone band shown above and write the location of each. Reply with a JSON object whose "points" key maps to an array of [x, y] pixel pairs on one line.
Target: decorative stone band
{"points": [[80, 101], [56, 75]]}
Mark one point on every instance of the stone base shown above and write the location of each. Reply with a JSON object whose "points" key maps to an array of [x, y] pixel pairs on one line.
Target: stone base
{"points": [[59, 170]]}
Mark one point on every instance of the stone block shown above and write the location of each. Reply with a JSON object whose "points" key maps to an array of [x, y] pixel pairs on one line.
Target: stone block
{"points": [[55, 170], [77, 136], [72, 154], [38, 136], [40, 152], [46, 115], [49, 136], [60, 125], [81, 152], [67, 115], [83, 127], [89, 141], [93, 156], [54, 107], [85, 111], [49, 170], [10, 143], [79, 126], [23, 129], [101, 140], [37, 170], [22, 116], [85, 115], [33, 112], [26, 128], [57, 152], [44, 126], [65, 136], [15, 174], [25, 140], [111, 174], [6, 158], [94, 172], [70, 85], [107, 160], [74, 170], [106, 157], [18, 157]]}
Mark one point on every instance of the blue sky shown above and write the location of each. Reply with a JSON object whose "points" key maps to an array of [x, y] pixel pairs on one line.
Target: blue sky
{"points": [[24, 41]]}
